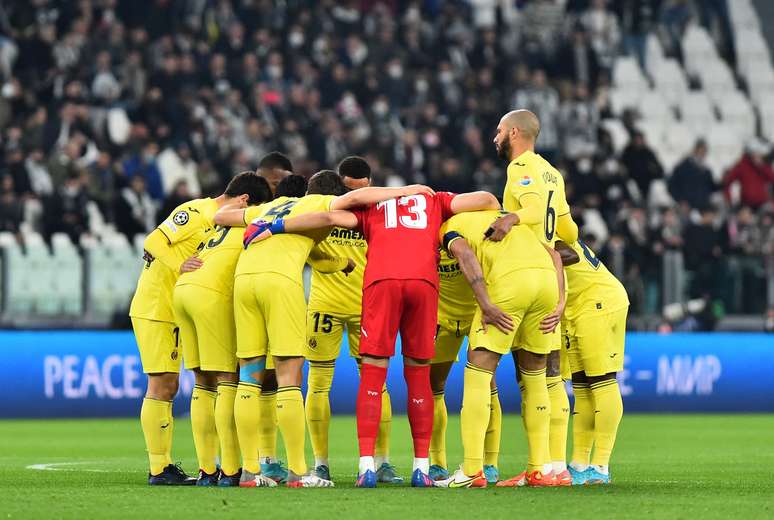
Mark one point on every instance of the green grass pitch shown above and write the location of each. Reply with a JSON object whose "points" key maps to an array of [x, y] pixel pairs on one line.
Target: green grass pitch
{"points": [[667, 466]]}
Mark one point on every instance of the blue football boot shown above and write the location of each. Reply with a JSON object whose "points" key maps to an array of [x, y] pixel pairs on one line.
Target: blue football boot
{"points": [[594, 477], [386, 474], [172, 475], [491, 474], [366, 480], [420, 479], [208, 479], [274, 471], [230, 480], [438, 472]]}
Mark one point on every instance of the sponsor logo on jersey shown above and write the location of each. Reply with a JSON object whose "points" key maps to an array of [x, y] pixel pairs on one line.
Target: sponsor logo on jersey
{"points": [[526, 180], [181, 218]]}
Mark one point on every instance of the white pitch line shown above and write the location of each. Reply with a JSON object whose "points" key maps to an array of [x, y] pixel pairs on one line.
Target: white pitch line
{"points": [[62, 466]]}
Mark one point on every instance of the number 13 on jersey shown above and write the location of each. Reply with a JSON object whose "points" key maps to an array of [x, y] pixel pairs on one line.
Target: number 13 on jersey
{"points": [[416, 206]]}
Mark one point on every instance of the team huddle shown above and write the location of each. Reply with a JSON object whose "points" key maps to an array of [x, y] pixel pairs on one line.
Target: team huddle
{"points": [[222, 289]]}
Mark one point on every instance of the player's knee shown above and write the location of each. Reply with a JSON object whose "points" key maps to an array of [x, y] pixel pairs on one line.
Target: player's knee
{"points": [[227, 377], [415, 361], [438, 378], [598, 379], [251, 370], [269, 380], [205, 379], [376, 361], [289, 370], [531, 361], [553, 367], [163, 386], [580, 378], [483, 358]]}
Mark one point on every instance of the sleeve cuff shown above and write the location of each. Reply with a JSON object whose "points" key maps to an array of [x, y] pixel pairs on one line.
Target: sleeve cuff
{"points": [[448, 238]]}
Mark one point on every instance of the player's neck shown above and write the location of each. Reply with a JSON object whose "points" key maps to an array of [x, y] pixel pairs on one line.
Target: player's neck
{"points": [[221, 200], [519, 148]]}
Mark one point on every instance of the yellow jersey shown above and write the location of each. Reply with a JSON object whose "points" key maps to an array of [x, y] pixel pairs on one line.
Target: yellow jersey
{"points": [[518, 250], [337, 292], [455, 297], [219, 256], [283, 254], [591, 287], [530, 173], [185, 229]]}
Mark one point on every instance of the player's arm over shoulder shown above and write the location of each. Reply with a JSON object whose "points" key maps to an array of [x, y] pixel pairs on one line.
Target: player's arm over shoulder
{"points": [[473, 201]]}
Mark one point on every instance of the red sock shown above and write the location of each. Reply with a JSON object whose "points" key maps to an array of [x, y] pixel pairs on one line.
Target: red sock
{"points": [[420, 407], [369, 406]]}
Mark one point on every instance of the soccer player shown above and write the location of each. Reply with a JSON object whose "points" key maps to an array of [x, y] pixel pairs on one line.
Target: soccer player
{"points": [[534, 194], [167, 248], [204, 313], [594, 331], [400, 292], [517, 282], [456, 308], [335, 303], [270, 309], [274, 167]]}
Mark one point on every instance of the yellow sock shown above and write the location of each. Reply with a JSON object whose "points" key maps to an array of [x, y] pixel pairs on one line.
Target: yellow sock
{"points": [[474, 417], [156, 421], [203, 427], [608, 408], [318, 407], [582, 424], [292, 424], [382, 446], [226, 428], [438, 439], [493, 430], [537, 417], [246, 419], [267, 425], [560, 418]]}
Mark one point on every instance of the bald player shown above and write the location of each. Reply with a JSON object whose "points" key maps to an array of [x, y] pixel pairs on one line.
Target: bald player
{"points": [[534, 196]]}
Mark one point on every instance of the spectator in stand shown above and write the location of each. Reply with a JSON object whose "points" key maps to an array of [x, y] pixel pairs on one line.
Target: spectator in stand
{"points": [[691, 182], [11, 208], [143, 163], [576, 61], [578, 118], [180, 194], [754, 176], [604, 33], [176, 165], [641, 163], [135, 212], [746, 241], [65, 212], [37, 173], [542, 99], [704, 256]]}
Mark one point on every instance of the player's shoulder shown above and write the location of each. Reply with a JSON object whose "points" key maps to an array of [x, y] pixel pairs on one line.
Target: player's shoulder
{"points": [[187, 211], [316, 200]]}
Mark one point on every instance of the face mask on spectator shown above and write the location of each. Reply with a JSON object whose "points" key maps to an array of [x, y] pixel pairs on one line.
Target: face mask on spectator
{"points": [[296, 39], [421, 86], [395, 71], [380, 108], [446, 76], [275, 71]]}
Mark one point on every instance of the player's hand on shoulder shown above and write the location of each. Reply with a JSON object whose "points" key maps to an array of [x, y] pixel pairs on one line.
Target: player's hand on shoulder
{"points": [[417, 189], [191, 264], [256, 231], [500, 228], [350, 267], [492, 315]]}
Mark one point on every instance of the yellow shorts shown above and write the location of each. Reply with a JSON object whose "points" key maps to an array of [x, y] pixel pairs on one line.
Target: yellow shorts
{"points": [[527, 295], [324, 331], [448, 339], [269, 312], [596, 343], [159, 345], [207, 331]]}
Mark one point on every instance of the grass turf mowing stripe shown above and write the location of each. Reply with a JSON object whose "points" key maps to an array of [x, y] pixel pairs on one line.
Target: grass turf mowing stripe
{"points": [[669, 466]]}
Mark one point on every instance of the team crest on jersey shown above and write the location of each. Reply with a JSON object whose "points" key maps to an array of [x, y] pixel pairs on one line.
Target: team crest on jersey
{"points": [[312, 343], [525, 181], [173, 355], [180, 218]]}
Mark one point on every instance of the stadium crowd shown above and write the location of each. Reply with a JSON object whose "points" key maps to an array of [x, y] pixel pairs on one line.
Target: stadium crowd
{"points": [[138, 106]]}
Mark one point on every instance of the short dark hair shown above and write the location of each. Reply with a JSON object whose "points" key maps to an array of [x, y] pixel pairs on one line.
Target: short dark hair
{"points": [[292, 186], [354, 167], [256, 188], [326, 182], [276, 160]]}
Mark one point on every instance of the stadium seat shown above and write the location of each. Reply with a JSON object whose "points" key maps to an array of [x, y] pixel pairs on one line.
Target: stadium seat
{"points": [[670, 81], [679, 140], [654, 53], [622, 99], [618, 133], [743, 16], [627, 75], [737, 113], [697, 112], [68, 283], [653, 130], [724, 147], [652, 106], [717, 80], [698, 49]]}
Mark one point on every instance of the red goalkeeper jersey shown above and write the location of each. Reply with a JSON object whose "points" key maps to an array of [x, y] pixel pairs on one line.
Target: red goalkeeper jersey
{"points": [[402, 236]]}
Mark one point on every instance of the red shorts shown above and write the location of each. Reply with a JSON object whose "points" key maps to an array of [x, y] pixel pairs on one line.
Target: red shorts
{"points": [[408, 306]]}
